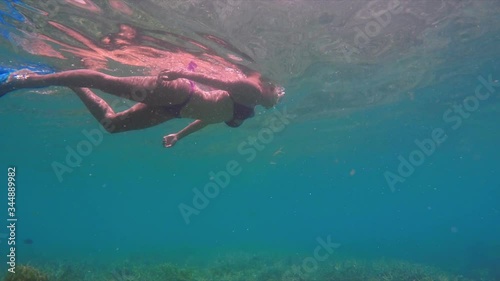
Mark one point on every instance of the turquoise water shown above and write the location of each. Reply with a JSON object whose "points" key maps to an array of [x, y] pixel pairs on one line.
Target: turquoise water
{"points": [[388, 151]]}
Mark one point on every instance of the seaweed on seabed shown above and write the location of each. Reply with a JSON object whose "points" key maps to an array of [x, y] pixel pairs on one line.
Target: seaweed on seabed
{"points": [[385, 270], [170, 272], [123, 274], [234, 265], [270, 274], [68, 273], [247, 267], [26, 273]]}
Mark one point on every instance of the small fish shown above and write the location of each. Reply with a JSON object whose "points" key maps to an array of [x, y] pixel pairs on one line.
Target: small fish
{"points": [[279, 151], [28, 241]]}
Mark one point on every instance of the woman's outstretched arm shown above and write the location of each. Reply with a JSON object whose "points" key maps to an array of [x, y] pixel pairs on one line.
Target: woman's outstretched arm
{"points": [[169, 75], [170, 140]]}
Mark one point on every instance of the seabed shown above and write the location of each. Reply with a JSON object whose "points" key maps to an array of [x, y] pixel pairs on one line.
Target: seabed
{"points": [[242, 268]]}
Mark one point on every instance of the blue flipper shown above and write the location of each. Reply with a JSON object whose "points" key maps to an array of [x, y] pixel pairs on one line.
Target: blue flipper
{"points": [[3, 77], [5, 73]]}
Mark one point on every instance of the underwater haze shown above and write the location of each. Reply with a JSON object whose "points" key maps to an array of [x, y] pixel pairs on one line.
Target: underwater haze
{"points": [[385, 165]]}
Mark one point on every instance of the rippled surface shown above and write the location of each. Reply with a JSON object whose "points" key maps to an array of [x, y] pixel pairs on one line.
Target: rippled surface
{"points": [[351, 54]]}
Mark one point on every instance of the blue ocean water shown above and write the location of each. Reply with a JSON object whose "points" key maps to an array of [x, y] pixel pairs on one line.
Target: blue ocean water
{"points": [[388, 150]]}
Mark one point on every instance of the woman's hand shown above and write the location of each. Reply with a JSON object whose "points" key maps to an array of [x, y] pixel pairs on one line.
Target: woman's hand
{"points": [[170, 75], [170, 140]]}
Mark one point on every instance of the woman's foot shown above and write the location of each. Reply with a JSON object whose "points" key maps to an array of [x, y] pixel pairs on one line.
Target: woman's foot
{"points": [[12, 81]]}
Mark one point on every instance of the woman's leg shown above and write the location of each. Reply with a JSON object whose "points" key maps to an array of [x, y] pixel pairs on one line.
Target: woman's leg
{"points": [[136, 88], [139, 116]]}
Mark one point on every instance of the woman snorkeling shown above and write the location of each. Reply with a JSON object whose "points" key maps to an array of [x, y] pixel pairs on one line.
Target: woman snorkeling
{"points": [[171, 94]]}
